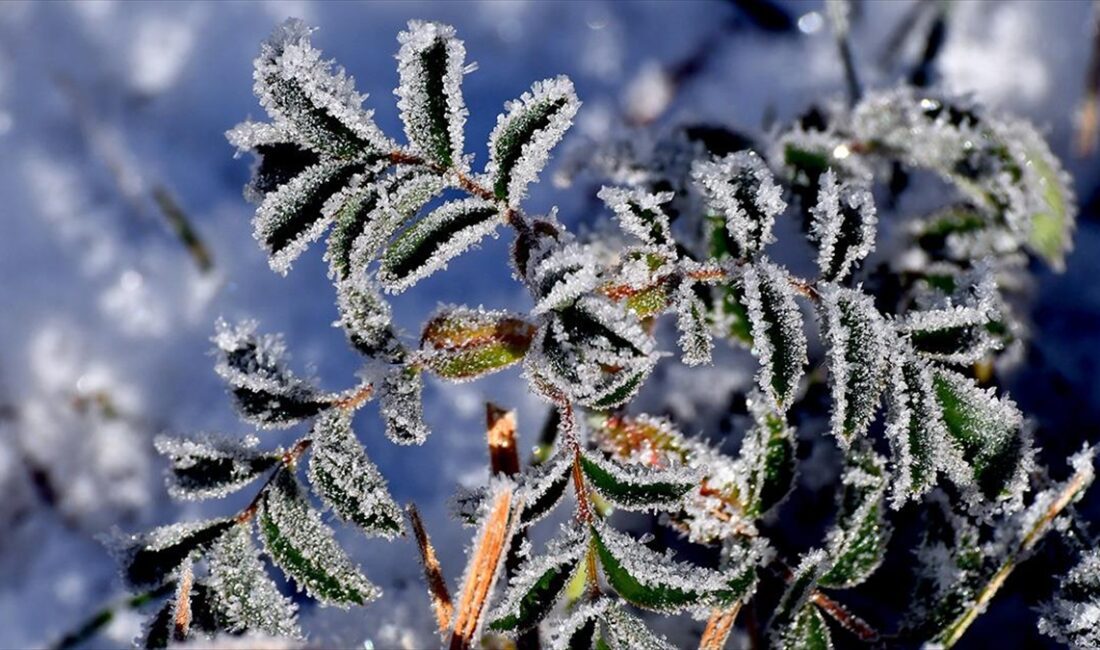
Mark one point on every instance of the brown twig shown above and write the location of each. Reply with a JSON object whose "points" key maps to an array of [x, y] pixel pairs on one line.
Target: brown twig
{"points": [[483, 569], [719, 626], [290, 457], [433, 573], [181, 618], [847, 619]]}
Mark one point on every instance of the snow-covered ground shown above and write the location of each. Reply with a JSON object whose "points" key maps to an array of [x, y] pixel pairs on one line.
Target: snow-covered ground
{"points": [[105, 318]]}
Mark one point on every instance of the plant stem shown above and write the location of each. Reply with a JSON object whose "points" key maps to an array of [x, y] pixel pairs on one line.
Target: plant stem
{"points": [[1073, 488], [98, 620], [719, 626]]}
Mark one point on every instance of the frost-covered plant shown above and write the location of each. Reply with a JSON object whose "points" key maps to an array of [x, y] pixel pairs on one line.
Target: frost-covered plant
{"points": [[906, 349]]}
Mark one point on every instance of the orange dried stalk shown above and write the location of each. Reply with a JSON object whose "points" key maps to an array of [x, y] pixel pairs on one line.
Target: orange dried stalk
{"points": [[501, 433], [433, 573], [719, 626]]}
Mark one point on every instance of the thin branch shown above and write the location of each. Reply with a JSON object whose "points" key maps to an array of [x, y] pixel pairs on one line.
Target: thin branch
{"points": [[719, 626], [181, 618], [846, 618], [433, 573], [501, 434], [100, 619]]}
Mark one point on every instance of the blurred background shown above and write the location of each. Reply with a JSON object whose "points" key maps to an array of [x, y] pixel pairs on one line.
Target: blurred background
{"points": [[124, 236]]}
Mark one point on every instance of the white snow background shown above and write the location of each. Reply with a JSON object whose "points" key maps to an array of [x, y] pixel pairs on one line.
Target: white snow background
{"points": [[105, 320]]}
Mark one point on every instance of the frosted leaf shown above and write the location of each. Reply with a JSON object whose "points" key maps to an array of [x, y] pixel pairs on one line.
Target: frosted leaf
{"points": [[800, 587], [429, 244], [627, 632], [1073, 616], [844, 225], [857, 345], [741, 189], [579, 629], [779, 342], [543, 487], [691, 320], [856, 544], [539, 582], [431, 64], [366, 319], [347, 481], [245, 596], [255, 367], [278, 158], [989, 431], [211, 467], [150, 558], [638, 487], [956, 333], [561, 276], [804, 154], [914, 427], [530, 127], [297, 213], [402, 407], [808, 631], [186, 612], [656, 582], [460, 343], [640, 214], [302, 546], [304, 94], [764, 472], [594, 351]]}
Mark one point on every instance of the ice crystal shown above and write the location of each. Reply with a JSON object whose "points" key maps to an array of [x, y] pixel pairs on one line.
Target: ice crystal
{"points": [[1073, 617], [400, 403], [536, 586], [243, 592], [640, 213], [580, 626], [691, 319], [561, 275], [844, 226], [431, 64], [740, 188], [212, 467], [779, 342], [636, 486], [626, 631]]}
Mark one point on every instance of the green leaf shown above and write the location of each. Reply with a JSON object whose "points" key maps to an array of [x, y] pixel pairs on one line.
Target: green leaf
{"points": [[427, 246], [347, 481], [767, 459], [800, 587], [461, 343], [578, 631], [624, 631], [914, 427], [741, 190], [857, 543], [304, 547], [637, 487], [691, 320], [1052, 225], [366, 319], [210, 467], [520, 144], [431, 63], [640, 214], [150, 558], [779, 341], [402, 406], [809, 631], [855, 336], [989, 431], [538, 584], [243, 593], [544, 488]]}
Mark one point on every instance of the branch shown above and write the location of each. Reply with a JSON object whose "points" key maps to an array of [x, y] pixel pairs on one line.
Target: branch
{"points": [[719, 626], [433, 573]]}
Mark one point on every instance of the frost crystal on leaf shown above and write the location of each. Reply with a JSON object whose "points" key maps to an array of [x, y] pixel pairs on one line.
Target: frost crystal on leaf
{"points": [[305, 95], [210, 467], [347, 481], [691, 319], [304, 548], [580, 628], [460, 343], [857, 543], [626, 631], [535, 588], [856, 339], [401, 406], [427, 246], [956, 333], [543, 487], [764, 471], [530, 127], [431, 64], [914, 427], [640, 213], [255, 367], [243, 592], [844, 226], [150, 558], [365, 318], [741, 190], [1073, 617], [785, 624], [561, 275], [779, 341], [636, 486]]}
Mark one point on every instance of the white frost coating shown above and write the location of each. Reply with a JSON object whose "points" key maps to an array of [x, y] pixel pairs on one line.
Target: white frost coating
{"points": [[844, 225], [415, 100], [626, 631], [775, 318], [400, 196], [871, 487], [565, 549], [801, 586], [364, 315], [285, 206], [630, 207], [257, 363], [172, 534], [691, 320], [243, 592], [741, 189], [914, 423], [288, 59], [655, 570], [562, 275], [639, 475], [347, 481], [187, 453], [248, 135], [563, 630], [981, 306], [412, 240], [1073, 617], [401, 406], [300, 528], [535, 150], [537, 482], [856, 339]]}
